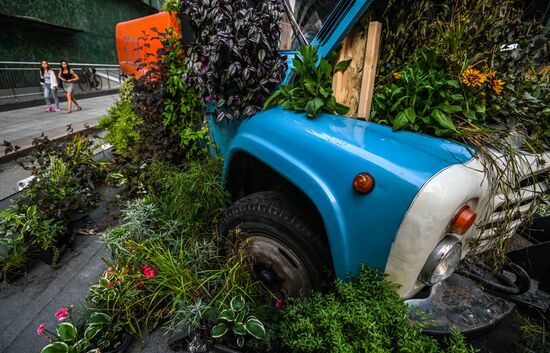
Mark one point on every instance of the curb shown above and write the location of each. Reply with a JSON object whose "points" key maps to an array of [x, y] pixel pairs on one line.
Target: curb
{"points": [[55, 135]]}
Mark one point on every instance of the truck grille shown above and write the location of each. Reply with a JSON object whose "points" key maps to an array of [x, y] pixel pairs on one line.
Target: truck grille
{"points": [[508, 210]]}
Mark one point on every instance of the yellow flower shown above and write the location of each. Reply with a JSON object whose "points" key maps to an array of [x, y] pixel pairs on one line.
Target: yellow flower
{"points": [[497, 86], [397, 76], [473, 77], [491, 75]]}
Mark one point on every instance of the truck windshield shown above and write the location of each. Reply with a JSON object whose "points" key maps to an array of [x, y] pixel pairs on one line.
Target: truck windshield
{"points": [[308, 16]]}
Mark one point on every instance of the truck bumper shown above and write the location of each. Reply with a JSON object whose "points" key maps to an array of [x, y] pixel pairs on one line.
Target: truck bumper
{"points": [[458, 303]]}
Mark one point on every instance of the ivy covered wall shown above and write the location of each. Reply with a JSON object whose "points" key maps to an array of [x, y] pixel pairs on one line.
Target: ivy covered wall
{"points": [[77, 30]]}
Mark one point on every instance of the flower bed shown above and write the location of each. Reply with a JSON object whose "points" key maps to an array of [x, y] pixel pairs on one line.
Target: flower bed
{"points": [[38, 224]]}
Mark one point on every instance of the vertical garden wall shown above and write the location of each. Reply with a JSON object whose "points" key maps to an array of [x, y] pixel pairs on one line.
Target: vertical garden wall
{"points": [[78, 30]]}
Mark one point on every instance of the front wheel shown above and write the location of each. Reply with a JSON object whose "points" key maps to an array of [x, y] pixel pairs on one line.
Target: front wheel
{"points": [[287, 247], [97, 83]]}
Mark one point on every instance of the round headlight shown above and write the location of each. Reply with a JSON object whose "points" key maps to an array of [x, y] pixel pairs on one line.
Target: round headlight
{"points": [[442, 262]]}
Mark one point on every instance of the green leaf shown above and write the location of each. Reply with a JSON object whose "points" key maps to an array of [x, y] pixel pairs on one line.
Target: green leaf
{"points": [[453, 83], [240, 341], [410, 114], [325, 92], [99, 318], [219, 330], [239, 328], [400, 121], [227, 315], [91, 331], [341, 109], [240, 316], [56, 347], [450, 109], [310, 86], [255, 327], [325, 68], [66, 331], [237, 303], [313, 107], [274, 99], [456, 97], [480, 108], [261, 55], [443, 119], [342, 66]]}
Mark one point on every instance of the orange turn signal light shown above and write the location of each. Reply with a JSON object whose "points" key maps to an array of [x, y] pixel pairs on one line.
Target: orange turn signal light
{"points": [[363, 183], [463, 220]]}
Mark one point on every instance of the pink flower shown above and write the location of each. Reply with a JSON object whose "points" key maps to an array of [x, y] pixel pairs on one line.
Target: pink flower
{"points": [[62, 313], [40, 329], [148, 271], [278, 304]]}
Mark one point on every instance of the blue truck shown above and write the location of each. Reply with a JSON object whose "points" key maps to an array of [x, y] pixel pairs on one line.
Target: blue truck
{"points": [[323, 196]]}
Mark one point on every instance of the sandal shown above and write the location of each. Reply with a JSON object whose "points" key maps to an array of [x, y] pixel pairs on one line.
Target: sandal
{"points": [[79, 108], [69, 112]]}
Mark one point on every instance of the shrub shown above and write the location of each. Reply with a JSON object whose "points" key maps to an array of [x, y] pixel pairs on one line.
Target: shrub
{"points": [[122, 125], [312, 90], [233, 61], [364, 315], [192, 197], [171, 128]]}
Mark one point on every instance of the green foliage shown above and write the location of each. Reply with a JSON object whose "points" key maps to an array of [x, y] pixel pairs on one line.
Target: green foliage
{"points": [[425, 97], [467, 34], [363, 315], [68, 339], [181, 105], [312, 90], [122, 123], [171, 5], [192, 197], [126, 90], [172, 128], [235, 319], [62, 186]]}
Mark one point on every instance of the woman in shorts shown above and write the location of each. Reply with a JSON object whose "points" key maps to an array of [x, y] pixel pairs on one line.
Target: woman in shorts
{"points": [[68, 77]]}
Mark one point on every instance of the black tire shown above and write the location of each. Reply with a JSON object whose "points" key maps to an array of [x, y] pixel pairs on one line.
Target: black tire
{"points": [[97, 83], [288, 247]]}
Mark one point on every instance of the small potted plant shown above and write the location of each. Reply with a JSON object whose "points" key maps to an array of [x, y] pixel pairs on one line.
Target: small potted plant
{"points": [[237, 325], [99, 333]]}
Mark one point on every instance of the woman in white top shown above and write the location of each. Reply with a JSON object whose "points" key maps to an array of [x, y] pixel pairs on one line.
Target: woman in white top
{"points": [[49, 82]]}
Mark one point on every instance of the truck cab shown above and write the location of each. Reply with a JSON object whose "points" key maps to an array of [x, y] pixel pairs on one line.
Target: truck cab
{"points": [[319, 197]]}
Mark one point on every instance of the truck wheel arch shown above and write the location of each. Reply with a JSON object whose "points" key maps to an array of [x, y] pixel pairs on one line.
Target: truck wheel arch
{"points": [[247, 174]]}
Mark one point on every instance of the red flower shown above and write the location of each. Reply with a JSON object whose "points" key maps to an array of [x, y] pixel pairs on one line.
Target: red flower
{"points": [[62, 313], [40, 329], [148, 271], [278, 304]]}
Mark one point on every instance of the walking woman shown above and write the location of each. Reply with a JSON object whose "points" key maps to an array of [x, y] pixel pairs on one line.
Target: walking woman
{"points": [[68, 77], [49, 82]]}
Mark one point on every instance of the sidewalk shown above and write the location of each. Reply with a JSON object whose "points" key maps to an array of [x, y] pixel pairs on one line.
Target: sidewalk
{"points": [[22, 125]]}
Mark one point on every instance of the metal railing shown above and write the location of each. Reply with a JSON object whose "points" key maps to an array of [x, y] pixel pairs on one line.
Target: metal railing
{"points": [[20, 81]]}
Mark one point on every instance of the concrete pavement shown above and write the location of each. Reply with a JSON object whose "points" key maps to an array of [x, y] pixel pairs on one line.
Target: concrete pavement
{"points": [[22, 125]]}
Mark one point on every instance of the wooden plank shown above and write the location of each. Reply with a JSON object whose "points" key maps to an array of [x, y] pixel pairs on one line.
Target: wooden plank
{"points": [[347, 85], [369, 69], [338, 79]]}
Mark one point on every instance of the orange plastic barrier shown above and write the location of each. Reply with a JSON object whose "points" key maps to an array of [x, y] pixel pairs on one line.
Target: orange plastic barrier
{"points": [[133, 41]]}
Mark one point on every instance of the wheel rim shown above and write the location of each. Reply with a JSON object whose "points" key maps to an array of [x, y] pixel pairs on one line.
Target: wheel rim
{"points": [[277, 265]]}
